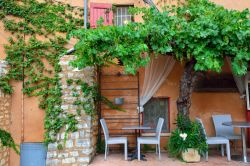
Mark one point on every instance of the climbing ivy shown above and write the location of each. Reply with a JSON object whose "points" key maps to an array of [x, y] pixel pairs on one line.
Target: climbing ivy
{"points": [[7, 141], [38, 39]]}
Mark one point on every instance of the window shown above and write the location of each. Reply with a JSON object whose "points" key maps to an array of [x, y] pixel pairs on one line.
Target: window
{"points": [[122, 16], [153, 110]]}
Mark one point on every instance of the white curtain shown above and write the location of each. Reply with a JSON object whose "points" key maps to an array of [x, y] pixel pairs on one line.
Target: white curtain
{"points": [[239, 80], [155, 74]]}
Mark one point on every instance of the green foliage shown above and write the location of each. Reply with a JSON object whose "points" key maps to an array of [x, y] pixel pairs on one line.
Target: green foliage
{"points": [[60, 147], [5, 86], [100, 146], [69, 82], [7, 141], [148, 148], [38, 39], [123, 42], [197, 30], [188, 134]]}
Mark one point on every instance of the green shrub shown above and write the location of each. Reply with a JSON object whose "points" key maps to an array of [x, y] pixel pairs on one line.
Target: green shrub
{"points": [[188, 134]]}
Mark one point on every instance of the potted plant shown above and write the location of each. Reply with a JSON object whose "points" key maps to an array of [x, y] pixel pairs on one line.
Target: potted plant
{"points": [[187, 141]]}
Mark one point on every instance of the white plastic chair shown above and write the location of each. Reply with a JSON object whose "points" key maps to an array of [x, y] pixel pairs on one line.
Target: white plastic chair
{"points": [[113, 140], [225, 131], [151, 140], [216, 141]]}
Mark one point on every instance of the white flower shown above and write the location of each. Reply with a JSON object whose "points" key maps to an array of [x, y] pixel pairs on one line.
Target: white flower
{"points": [[125, 22], [183, 136]]}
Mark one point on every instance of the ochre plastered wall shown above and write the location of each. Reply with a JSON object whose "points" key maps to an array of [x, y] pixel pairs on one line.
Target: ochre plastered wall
{"points": [[33, 117], [204, 104]]}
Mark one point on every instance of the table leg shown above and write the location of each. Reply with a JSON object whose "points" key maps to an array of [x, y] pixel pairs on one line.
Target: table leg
{"points": [[134, 155], [243, 135]]}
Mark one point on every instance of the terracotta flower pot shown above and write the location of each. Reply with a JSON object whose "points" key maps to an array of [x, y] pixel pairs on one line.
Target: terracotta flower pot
{"points": [[191, 155]]}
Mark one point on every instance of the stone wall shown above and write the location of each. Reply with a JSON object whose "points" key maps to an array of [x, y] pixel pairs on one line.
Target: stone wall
{"points": [[4, 116], [79, 148]]}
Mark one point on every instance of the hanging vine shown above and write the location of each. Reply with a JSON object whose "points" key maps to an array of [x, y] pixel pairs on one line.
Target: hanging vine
{"points": [[7, 141], [38, 39]]}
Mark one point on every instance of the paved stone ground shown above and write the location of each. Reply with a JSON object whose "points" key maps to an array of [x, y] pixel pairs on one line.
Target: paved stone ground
{"points": [[115, 159]]}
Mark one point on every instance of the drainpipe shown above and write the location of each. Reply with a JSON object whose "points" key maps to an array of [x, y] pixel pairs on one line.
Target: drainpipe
{"points": [[85, 23], [151, 4], [22, 99], [85, 13]]}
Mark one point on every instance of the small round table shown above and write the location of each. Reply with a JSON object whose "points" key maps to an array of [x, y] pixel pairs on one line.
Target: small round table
{"points": [[242, 126], [135, 155]]}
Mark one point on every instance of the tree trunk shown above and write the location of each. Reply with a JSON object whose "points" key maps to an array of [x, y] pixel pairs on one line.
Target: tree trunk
{"points": [[187, 83]]}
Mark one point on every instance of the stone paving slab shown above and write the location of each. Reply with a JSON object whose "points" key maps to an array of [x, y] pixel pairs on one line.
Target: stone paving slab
{"points": [[115, 159]]}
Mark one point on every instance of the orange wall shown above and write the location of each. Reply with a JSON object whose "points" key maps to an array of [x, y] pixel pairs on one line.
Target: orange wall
{"points": [[33, 117], [203, 104]]}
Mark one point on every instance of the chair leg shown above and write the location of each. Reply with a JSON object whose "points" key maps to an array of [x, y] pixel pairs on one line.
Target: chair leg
{"points": [[228, 152], [159, 149], [126, 151], [156, 150], [106, 149], [222, 150], [138, 151], [206, 156], [235, 146]]}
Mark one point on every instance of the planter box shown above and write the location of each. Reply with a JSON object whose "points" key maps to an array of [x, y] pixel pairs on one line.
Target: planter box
{"points": [[191, 155]]}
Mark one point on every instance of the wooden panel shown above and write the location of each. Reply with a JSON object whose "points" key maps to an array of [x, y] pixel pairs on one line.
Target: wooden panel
{"points": [[127, 99], [114, 78], [124, 106], [116, 93], [119, 86], [127, 112], [113, 70]]}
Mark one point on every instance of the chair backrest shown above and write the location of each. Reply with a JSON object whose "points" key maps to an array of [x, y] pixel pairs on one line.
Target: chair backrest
{"points": [[220, 129], [159, 128], [105, 129], [198, 120]]}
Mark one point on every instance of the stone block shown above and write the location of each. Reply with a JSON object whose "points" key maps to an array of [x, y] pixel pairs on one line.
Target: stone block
{"points": [[74, 153], [69, 160], [75, 135], [83, 143], [52, 146], [64, 63], [87, 151], [64, 107], [63, 155], [51, 154], [82, 134], [83, 164], [83, 159], [2, 162], [69, 144]]}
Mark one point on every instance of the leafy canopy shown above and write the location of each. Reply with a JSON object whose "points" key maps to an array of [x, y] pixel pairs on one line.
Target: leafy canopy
{"points": [[197, 30]]}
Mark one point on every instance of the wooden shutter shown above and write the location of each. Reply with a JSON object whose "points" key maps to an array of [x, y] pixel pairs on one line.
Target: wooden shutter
{"points": [[98, 10]]}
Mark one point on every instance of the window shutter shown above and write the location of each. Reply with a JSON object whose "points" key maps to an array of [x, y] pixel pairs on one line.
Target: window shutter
{"points": [[98, 10]]}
